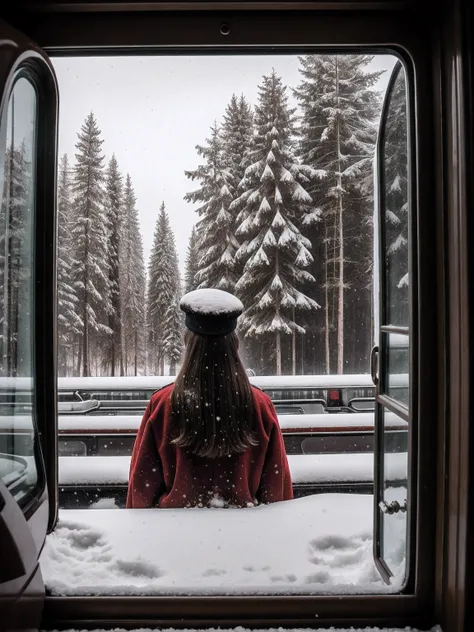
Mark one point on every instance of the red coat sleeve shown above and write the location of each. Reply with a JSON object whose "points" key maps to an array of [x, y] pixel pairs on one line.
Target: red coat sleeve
{"points": [[145, 483], [275, 484]]}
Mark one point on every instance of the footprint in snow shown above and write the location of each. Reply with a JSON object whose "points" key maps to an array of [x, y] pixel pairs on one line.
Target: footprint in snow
{"points": [[86, 539], [79, 542], [336, 551], [318, 560], [79, 536], [322, 577], [347, 559], [331, 542], [138, 568], [71, 526], [287, 579]]}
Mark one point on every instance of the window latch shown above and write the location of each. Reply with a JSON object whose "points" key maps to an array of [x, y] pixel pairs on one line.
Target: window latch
{"points": [[393, 507], [374, 354]]}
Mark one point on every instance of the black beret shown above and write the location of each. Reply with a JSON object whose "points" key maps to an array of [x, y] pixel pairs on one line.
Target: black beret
{"points": [[211, 312]]}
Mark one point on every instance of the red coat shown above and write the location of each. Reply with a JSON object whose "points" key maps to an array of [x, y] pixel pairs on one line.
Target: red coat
{"points": [[163, 475]]}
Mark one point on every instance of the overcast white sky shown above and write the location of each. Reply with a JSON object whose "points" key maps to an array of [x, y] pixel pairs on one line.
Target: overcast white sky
{"points": [[152, 111]]}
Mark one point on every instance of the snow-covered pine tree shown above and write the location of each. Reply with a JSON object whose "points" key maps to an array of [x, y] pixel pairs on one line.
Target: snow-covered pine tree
{"points": [[191, 262], [69, 323], [237, 136], [272, 203], [132, 285], [396, 201], [338, 128], [163, 288], [174, 326], [16, 214], [113, 359], [90, 239], [217, 242]]}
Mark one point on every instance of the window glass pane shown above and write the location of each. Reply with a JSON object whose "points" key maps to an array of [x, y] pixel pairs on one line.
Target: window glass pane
{"points": [[397, 210], [72, 447], [18, 465], [115, 446], [394, 494], [395, 382]]}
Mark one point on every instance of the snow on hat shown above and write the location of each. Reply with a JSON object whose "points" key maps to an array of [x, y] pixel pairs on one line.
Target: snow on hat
{"points": [[211, 312]]}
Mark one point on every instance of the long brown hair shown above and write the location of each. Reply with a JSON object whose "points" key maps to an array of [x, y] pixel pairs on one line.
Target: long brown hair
{"points": [[212, 402]]}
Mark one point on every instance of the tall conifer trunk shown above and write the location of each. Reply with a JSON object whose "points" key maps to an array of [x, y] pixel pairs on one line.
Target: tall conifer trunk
{"points": [[326, 304], [85, 320], [293, 351], [278, 351], [136, 352], [340, 312]]}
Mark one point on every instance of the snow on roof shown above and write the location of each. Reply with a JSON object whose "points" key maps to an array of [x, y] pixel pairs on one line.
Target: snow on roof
{"points": [[153, 382], [305, 468], [211, 301], [118, 424]]}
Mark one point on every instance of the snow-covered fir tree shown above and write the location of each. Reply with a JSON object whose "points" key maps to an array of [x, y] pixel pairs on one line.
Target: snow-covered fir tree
{"points": [[237, 136], [272, 204], [191, 264], [339, 111], [174, 326], [163, 289], [396, 202], [16, 213], [90, 240], [217, 242], [132, 285], [113, 359], [69, 322]]}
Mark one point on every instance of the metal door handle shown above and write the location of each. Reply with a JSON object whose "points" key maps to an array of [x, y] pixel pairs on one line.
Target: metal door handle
{"points": [[393, 507], [374, 354]]}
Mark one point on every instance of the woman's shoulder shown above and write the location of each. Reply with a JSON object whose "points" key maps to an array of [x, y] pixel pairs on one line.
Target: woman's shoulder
{"points": [[263, 400], [258, 393], [161, 394]]}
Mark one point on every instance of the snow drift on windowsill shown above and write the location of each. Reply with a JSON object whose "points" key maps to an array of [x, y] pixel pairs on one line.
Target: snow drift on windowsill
{"points": [[318, 544]]}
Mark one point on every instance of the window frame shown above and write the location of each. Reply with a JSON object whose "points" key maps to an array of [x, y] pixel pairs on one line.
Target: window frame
{"points": [[31, 66], [384, 401], [34, 68], [72, 30], [29, 503]]}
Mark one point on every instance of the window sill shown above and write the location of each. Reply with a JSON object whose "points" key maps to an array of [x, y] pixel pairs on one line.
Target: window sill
{"points": [[315, 545]]}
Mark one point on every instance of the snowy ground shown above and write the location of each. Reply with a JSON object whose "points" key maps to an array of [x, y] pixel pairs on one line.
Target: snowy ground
{"points": [[318, 544]]}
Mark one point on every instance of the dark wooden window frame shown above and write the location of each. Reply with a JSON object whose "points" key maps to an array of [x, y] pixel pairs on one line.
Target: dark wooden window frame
{"points": [[436, 49]]}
